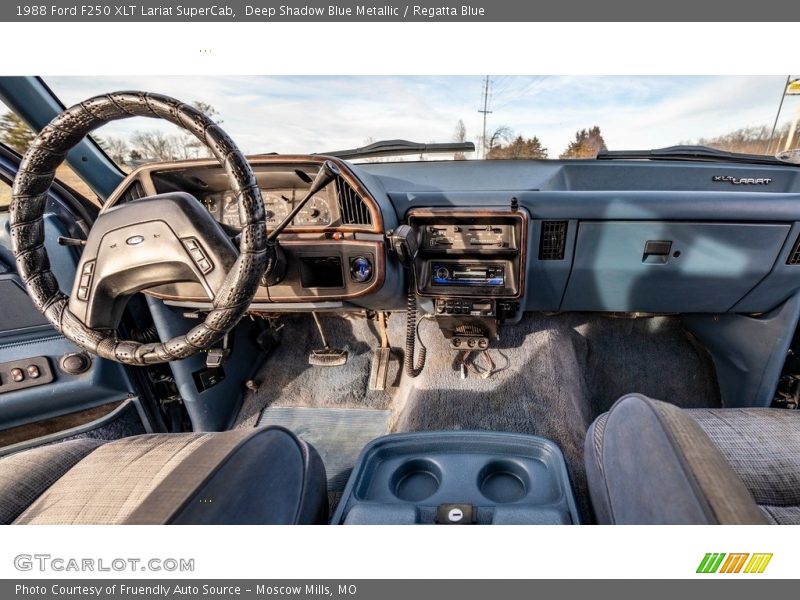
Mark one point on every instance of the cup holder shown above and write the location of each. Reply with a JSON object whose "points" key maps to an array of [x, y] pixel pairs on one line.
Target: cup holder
{"points": [[416, 480], [504, 481]]}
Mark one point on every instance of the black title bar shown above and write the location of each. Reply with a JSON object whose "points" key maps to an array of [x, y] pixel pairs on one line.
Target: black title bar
{"points": [[418, 11]]}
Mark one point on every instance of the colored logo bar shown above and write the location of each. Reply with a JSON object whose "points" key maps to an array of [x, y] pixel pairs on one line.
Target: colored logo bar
{"points": [[737, 562]]}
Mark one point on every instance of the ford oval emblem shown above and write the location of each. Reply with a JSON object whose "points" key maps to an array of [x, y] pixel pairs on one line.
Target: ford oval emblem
{"points": [[134, 240]]}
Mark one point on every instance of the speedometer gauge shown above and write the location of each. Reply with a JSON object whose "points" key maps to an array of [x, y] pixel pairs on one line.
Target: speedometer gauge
{"points": [[316, 212], [277, 206]]}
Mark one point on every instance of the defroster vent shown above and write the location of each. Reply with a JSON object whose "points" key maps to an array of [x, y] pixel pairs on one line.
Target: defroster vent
{"points": [[353, 209], [553, 240]]}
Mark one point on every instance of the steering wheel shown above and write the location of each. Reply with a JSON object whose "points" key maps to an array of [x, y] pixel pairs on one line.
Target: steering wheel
{"points": [[160, 239]]}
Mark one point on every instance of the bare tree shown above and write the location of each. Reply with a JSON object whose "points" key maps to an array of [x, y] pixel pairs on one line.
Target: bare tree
{"points": [[155, 145], [460, 136], [500, 135], [117, 149], [194, 148], [208, 110], [748, 140]]}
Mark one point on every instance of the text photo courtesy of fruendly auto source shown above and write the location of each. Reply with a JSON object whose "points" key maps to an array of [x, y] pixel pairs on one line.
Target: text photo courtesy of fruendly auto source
{"points": [[400, 300]]}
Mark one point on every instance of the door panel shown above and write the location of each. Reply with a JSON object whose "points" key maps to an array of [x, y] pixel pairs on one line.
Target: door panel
{"points": [[28, 340]]}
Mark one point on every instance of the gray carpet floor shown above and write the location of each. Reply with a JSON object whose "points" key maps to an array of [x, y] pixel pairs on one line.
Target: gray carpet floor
{"points": [[286, 379], [555, 374]]}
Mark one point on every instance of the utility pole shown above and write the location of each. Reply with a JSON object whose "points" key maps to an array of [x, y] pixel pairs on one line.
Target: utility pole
{"points": [[485, 112], [777, 116], [792, 129]]}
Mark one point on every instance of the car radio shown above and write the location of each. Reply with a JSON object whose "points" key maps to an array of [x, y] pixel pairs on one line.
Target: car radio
{"points": [[453, 273]]}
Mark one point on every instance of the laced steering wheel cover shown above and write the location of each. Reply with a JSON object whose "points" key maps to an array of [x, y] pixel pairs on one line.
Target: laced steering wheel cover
{"points": [[29, 199]]}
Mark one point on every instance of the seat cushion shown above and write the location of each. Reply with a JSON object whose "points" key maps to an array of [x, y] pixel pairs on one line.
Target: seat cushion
{"points": [[649, 462], [25, 476], [762, 446], [257, 476]]}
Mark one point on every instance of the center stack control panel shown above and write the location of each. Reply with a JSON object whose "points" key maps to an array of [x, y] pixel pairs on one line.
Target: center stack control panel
{"points": [[471, 262]]}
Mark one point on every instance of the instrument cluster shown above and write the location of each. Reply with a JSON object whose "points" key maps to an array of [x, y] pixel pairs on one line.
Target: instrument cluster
{"points": [[320, 211]]}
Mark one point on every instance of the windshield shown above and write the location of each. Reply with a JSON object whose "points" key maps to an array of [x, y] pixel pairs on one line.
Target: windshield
{"points": [[506, 117]]}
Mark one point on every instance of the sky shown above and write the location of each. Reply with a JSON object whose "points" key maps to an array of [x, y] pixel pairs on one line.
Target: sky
{"points": [[306, 114]]}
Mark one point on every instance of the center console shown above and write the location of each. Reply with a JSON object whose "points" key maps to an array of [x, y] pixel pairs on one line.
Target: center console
{"points": [[458, 478], [471, 264]]}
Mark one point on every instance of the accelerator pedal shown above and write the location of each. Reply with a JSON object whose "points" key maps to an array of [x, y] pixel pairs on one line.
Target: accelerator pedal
{"points": [[379, 372], [326, 356]]}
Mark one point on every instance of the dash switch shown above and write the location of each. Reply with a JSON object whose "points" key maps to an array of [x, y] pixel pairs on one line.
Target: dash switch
{"points": [[25, 373]]}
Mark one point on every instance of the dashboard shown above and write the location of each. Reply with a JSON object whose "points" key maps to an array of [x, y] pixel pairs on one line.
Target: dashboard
{"points": [[504, 237], [334, 246]]}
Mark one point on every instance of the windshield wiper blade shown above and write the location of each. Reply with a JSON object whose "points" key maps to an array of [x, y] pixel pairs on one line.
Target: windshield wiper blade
{"points": [[698, 153], [399, 147]]}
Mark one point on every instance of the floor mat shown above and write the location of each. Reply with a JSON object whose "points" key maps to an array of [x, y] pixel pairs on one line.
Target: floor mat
{"points": [[338, 434]]}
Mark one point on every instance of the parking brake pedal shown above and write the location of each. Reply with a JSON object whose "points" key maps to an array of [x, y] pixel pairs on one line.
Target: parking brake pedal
{"points": [[380, 358], [326, 356]]}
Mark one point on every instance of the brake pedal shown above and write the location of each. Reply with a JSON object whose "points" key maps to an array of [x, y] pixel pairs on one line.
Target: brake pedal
{"points": [[379, 372], [326, 356]]}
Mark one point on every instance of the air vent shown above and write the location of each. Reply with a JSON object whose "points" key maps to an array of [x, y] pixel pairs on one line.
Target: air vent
{"points": [[353, 209], [553, 240], [134, 192], [794, 255]]}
